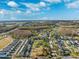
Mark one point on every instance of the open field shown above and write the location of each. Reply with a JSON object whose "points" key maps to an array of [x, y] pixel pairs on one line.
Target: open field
{"points": [[5, 42]]}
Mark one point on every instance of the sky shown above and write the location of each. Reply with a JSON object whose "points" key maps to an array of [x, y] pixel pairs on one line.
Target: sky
{"points": [[39, 10]]}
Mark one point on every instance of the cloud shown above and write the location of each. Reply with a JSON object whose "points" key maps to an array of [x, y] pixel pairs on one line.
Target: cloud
{"points": [[18, 11], [42, 4], [74, 5], [28, 12], [53, 1], [32, 6], [66, 1], [35, 7], [12, 4], [1, 12]]}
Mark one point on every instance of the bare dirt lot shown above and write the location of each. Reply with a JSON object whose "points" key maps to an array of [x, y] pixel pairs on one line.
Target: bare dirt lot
{"points": [[5, 42]]}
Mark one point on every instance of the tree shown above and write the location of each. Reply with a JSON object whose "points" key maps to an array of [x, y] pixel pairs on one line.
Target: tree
{"points": [[21, 34]]}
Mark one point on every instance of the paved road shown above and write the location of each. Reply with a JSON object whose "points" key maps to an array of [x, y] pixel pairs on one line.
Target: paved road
{"points": [[10, 49], [17, 52], [24, 49], [69, 57]]}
